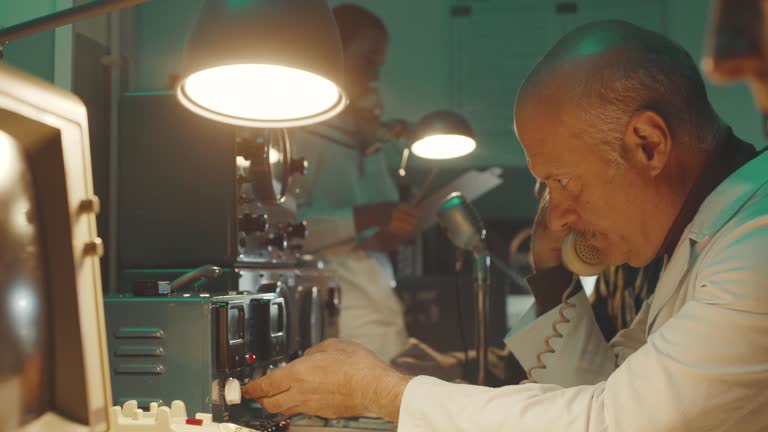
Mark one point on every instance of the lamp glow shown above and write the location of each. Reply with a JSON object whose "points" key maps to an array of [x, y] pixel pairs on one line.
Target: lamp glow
{"points": [[443, 146], [261, 95], [263, 63]]}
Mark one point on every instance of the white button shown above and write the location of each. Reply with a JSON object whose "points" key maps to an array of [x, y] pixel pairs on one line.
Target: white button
{"points": [[178, 409], [206, 418], [232, 391], [129, 407]]}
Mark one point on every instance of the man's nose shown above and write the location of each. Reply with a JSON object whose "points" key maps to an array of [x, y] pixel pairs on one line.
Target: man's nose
{"points": [[560, 216]]}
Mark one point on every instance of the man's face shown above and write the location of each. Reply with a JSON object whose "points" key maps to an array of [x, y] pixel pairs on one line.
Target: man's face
{"points": [[363, 59], [588, 191]]}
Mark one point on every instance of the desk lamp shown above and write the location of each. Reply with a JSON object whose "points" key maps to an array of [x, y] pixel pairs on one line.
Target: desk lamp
{"points": [[257, 63]]}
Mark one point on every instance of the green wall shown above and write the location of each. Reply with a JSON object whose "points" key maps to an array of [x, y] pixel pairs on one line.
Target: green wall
{"points": [[419, 76], [34, 54], [162, 27], [687, 24]]}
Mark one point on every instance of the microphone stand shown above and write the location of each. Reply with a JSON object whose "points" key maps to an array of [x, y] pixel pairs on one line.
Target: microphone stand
{"points": [[466, 231], [482, 281]]}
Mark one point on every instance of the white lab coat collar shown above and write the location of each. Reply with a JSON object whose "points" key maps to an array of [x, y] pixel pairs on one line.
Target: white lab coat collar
{"points": [[719, 207], [729, 197]]}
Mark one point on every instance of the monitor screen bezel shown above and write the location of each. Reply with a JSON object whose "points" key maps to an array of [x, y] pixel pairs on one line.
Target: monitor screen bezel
{"points": [[51, 127]]}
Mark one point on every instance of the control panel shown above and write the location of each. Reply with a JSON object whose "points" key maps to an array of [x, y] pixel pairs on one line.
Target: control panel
{"points": [[130, 418]]}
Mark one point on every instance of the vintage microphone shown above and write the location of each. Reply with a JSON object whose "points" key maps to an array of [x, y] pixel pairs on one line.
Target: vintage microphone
{"points": [[466, 231]]}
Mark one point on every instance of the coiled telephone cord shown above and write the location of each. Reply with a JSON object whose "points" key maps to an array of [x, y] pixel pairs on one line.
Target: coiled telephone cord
{"points": [[566, 304]]}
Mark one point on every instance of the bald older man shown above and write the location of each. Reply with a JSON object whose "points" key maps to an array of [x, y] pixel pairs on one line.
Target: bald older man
{"points": [[615, 119]]}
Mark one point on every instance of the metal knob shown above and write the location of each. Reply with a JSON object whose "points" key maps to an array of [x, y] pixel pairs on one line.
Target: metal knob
{"points": [[277, 240], [271, 287], [94, 247], [91, 204], [297, 231], [298, 166], [250, 224], [333, 301]]}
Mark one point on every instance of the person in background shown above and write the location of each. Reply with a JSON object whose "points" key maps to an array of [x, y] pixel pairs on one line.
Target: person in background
{"points": [[349, 198], [737, 48], [617, 121]]}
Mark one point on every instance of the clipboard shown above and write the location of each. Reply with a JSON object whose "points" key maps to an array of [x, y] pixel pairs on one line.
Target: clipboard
{"points": [[472, 184]]}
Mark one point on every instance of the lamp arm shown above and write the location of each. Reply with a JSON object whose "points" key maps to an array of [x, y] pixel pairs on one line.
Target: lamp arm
{"points": [[64, 17], [391, 131], [404, 160], [399, 129]]}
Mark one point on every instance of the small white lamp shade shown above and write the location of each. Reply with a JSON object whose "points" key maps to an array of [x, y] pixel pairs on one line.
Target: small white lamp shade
{"points": [[443, 135]]}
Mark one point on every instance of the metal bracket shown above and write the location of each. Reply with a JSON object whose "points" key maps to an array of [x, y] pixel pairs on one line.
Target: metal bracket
{"points": [[460, 11]]}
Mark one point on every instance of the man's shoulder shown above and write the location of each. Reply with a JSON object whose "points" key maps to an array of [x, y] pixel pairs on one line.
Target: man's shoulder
{"points": [[741, 196], [753, 212], [749, 222], [733, 269]]}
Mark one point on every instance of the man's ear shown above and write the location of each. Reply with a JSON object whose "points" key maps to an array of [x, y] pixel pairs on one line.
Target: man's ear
{"points": [[647, 142]]}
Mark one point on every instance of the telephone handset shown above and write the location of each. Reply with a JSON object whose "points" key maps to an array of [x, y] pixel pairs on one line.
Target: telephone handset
{"points": [[580, 256], [583, 259]]}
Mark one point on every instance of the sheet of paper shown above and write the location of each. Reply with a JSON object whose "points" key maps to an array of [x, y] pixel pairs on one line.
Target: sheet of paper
{"points": [[472, 184]]}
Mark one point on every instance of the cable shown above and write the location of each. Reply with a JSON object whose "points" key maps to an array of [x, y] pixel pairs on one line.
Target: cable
{"points": [[420, 193], [555, 332], [511, 273], [206, 272]]}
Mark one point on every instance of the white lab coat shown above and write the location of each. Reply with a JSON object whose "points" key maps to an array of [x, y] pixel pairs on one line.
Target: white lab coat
{"points": [[695, 359], [337, 181]]}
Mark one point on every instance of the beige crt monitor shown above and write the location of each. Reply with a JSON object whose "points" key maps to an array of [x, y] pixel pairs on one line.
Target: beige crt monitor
{"points": [[54, 369]]}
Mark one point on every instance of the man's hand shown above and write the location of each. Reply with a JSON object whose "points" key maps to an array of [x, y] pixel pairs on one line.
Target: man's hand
{"points": [[333, 379], [402, 220], [400, 228], [399, 218], [546, 244], [396, 223]]}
